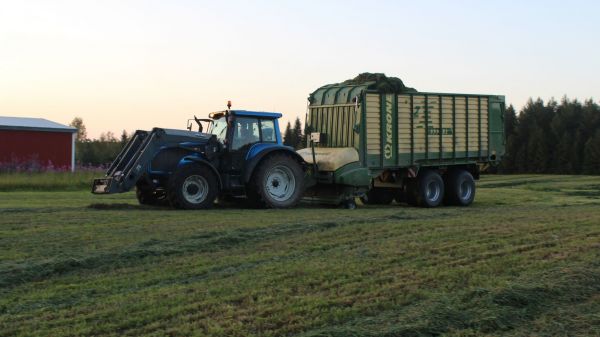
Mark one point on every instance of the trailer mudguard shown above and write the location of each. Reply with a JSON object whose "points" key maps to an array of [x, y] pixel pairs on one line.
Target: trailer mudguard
{"points": [[260, 151], [197, 159]]}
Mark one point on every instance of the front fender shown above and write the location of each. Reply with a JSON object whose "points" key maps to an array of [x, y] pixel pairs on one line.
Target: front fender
{"points": [[256, 155], [202, 161]]}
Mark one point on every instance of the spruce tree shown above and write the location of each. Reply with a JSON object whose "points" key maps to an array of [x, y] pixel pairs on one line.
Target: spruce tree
{"points": [[564, 157], [521, 142], [591, 160], [297, 132], [287, 135], [510, 132], [538, 151]]}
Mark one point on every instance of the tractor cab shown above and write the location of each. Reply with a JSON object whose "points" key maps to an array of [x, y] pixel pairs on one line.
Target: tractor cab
{"points": [[243, 135], [238, 129]]}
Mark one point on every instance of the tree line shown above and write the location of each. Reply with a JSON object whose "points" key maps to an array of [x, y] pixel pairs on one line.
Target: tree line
{"points": [[294, 136], [552, 137], [543, 137], [96, 152]]}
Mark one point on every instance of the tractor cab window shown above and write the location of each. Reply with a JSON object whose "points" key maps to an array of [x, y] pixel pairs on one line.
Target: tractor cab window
{"points": [[245, 132], [267, 128], [219, 129]]}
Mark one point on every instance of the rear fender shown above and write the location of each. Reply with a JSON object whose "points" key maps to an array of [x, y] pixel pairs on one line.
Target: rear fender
{"points": [[257, 153]]}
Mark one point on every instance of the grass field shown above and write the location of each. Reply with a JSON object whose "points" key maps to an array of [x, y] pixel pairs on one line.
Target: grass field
{"points": [[523, 260], [48, 181]]}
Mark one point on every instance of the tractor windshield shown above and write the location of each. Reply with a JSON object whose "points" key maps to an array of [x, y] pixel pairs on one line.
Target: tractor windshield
{"points": [[219, 128]]}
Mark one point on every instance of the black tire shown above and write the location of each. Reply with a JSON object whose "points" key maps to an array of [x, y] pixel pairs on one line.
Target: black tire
{"points": [[349, 204], [378, 196], [193, 187], [412, 190], [278, 182], [430, 189], [146, 195], [460, 188]]}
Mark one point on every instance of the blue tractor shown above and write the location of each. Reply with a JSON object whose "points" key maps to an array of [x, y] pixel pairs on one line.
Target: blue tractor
{"points": [[240, 155]]}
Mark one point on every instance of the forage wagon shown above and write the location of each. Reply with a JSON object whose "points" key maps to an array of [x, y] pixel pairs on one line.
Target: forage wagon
{"points": [[374, 135]]}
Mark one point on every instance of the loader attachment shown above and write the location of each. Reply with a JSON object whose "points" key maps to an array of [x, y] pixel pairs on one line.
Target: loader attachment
{"points": [[135, 158], [126, 169]]}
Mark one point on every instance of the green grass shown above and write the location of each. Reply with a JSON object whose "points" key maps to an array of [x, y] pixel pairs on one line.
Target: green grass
{"points": [[523, 260], [48, 181]]}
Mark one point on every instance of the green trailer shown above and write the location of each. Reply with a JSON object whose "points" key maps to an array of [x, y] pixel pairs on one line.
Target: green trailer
{"points": [[380, 140]]}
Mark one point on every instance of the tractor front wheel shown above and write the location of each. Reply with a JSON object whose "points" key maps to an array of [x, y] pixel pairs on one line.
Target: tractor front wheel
{"points": [[146, 195], [278, 182], [193, 187]]}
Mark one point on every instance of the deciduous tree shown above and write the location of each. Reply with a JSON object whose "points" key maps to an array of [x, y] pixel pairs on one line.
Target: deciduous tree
{"points": [[77, 123]]}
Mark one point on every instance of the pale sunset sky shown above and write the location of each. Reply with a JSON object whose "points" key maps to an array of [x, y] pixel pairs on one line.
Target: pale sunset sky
{"points": [[139, 64]]}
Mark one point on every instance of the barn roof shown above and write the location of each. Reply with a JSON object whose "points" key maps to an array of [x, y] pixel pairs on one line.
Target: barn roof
{"points": [[33, 124]]}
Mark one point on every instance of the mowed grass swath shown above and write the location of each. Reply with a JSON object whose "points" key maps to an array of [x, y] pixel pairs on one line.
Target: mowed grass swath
{"points": [[522, 260]]}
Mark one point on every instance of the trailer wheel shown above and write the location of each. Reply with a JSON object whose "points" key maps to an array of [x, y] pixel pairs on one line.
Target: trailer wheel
{"points": [[460, 188], [278, 182], [378, 196], [427, 190], [193, 187]]}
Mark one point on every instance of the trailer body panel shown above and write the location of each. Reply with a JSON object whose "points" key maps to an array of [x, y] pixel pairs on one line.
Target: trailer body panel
{"points": [[402, 130]]}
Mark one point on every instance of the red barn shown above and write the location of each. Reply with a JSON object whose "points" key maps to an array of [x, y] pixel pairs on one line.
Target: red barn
{"points": [[36, 142]]}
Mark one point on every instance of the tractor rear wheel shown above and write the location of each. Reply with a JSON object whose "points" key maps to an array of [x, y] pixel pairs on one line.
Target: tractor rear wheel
{"points": [[460, 188], [193, 187], [278, 182]]}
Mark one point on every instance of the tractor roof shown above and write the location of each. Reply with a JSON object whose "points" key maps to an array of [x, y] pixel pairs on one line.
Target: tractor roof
{"points": [[256, 113], [247, 113]]}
